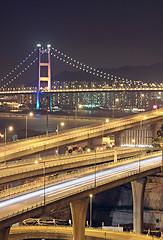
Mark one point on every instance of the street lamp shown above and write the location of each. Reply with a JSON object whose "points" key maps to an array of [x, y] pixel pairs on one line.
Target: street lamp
{"points": [[76, 113], [115, 101], [102, 133], [57, 130], [90, 220], [47, 117], [36, 162], [61, 124], [10, 128], [107, 120], [30, 114]]}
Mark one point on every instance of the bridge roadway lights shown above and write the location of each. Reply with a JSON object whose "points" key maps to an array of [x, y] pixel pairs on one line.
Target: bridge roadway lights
{"points": [[138, 189], [79, 211], [4, 233]]}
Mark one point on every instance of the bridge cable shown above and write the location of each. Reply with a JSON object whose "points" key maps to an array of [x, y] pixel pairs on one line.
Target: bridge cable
{"points": [[79, 65], [20, 73], [18, 66]]}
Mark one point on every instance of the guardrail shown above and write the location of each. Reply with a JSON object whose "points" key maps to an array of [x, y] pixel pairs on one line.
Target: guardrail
{"points": [[76, 133], [85, 187], [59, 157], [62, 159], [72, 173]]}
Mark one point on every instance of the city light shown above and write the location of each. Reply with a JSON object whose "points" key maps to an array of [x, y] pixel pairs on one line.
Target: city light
{"points": [[107, 120], [154, 107], [62, 124], [10, 128]]}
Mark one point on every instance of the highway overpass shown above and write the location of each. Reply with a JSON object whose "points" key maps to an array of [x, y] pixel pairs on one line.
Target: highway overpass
{"points": [[66, 233], [43, 143], [77, 190], [63, 164]]}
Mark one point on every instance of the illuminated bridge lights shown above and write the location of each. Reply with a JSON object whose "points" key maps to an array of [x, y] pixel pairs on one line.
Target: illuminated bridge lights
{"points": [[30, 90]]}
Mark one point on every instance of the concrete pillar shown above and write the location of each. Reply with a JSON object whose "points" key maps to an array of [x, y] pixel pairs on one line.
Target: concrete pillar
{"points": [[138, 188], [78, 212], [4, 233]]}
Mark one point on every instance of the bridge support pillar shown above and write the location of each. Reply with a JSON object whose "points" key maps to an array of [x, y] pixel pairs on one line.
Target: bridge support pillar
{"points": [[138, 188], [79, 211], [4, 233]]}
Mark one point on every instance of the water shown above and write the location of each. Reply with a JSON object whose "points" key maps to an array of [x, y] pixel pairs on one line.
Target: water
{"points": [[37, 124]]}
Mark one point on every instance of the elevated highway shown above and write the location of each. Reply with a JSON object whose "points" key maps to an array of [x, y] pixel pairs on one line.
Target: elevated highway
{"points": [[57, 165], [66, 233], [31, 204], [42, 143]]}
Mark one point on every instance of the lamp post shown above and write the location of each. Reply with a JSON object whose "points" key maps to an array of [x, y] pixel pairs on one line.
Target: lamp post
{"points": [[114, 104], [47, 117], [102, 133], [10, 129], [76, 113], [44, 183], [106, 120], [57, 130], [90, 220], [30, 114], [5, 136], [36, 162]]}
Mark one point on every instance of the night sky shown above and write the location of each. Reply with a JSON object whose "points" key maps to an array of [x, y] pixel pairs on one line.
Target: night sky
{"points": [[100, 33]]}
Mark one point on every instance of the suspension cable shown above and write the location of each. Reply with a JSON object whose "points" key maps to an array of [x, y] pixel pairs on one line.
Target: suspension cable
{"points": [[79, 65], [18, 66]]}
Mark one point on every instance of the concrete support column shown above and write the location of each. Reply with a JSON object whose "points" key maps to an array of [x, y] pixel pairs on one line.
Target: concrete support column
{"points": [[78, 212], [138, 188], [4, 233]]}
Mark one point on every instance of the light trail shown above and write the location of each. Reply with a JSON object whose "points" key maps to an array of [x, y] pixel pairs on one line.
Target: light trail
{"points": [[62, 190]]}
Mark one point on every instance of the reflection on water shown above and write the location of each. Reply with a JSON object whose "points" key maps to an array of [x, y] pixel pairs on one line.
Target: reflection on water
{"points": [[38, 124]]}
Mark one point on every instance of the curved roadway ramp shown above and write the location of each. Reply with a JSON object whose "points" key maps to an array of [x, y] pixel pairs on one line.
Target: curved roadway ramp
{"points": [[65, 233], [42, 143]]}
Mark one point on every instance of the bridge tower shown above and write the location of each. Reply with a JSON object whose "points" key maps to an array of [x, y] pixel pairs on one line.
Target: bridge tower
{"points": [[43, 64]]}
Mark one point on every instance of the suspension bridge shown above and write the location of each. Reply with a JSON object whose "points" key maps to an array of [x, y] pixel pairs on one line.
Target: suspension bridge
{"points": [[44, 82]]}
